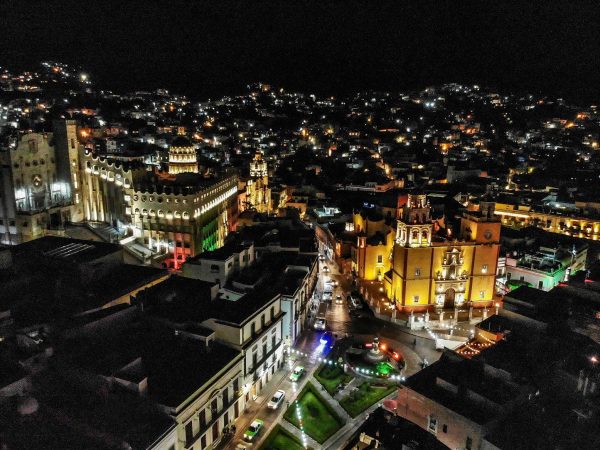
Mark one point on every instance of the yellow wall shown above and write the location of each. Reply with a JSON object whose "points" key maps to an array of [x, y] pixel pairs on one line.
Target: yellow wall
{"points": [[406, 284]]}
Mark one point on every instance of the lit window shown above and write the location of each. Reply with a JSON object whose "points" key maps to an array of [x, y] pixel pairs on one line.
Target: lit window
{"points": [[415, 298], [481, 294], [484, 268], [417, 272]]}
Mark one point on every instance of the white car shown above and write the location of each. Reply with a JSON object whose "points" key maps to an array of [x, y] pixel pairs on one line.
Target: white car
{"points": [[276, 400], [320, 324]]}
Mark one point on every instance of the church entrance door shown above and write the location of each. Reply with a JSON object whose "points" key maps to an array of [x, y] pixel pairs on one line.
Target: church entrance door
{"points": [[449, 299]]}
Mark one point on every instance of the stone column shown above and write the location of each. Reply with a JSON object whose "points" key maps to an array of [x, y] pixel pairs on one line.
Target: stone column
{"points": [[485, 313], [470, 313], [455, 315]]}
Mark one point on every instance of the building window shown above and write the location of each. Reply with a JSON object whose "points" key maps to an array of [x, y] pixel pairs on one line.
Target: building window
{"points": [[379, 259], [213, 268], [445, 428], [203, 442], [189, 432], [225, 396], [417, 272], [484, 268], [469, 443], [481, 294], [415, 298], [432, 425], [541, 284]]}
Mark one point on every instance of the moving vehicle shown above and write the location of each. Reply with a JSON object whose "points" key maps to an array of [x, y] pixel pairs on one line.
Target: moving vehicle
{"points": [[276, 400], [338, 300], [328, 291], [253, 429], [327, 339], [320, 320], [297, 373]]}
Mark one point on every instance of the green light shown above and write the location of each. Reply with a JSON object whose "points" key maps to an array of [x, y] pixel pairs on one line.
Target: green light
{"points": [[384, 369]]}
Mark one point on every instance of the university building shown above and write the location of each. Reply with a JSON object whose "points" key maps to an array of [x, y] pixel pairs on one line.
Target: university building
{"points": [[174, 215], [431, 267], [38, 183]]}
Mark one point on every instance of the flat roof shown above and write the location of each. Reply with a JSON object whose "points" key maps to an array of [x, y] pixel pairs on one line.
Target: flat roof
{"points": [[68, 249], [465, 375], [175, 366]]}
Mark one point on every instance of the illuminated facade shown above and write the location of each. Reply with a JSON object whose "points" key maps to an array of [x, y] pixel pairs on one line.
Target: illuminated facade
{"points": [[182, 156], [428, 270], [255, 192], [566, 222], [374, 242], [34, 194], [173, 216]]}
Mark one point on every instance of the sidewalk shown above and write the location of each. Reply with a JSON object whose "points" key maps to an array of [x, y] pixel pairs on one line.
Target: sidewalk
{"points": [[344, 434]]}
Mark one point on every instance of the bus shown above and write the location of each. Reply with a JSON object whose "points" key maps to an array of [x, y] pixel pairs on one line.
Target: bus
{"points": [[320, 320]]}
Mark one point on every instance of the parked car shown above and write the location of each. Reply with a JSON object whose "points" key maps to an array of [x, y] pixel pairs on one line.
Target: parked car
{"points": [[253, 429], [297, 373], [276, 400]]}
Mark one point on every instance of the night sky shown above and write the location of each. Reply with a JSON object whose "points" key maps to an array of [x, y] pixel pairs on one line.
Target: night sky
{"points": [[206, 49]]}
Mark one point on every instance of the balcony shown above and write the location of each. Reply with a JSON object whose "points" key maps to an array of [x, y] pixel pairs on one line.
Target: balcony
{"points": [[215, 415], [261, 361]]}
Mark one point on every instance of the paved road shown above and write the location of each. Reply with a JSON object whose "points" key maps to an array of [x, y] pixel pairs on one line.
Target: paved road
{"points": [[341, 324]]}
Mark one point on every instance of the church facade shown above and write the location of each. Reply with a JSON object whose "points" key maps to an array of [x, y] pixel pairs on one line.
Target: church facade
{"points": [[430, 267]]}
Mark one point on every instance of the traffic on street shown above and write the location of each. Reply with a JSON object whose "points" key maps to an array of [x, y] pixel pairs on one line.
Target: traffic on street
{"points": [[336, 312]]}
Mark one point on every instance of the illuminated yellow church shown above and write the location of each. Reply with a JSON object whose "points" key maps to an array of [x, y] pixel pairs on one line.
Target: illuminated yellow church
{"points": [[429, 269], [254, 192]]}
